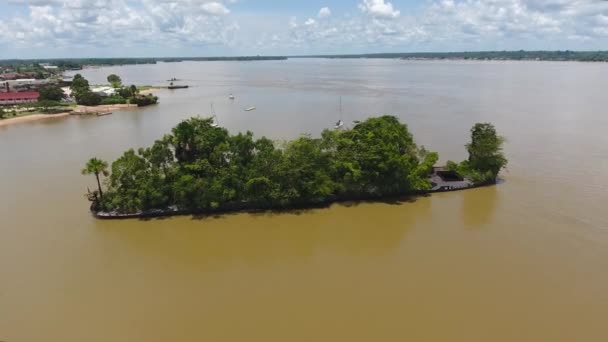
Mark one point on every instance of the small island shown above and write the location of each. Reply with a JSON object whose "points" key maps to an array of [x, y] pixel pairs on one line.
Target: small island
{"points": [[200, 168]]}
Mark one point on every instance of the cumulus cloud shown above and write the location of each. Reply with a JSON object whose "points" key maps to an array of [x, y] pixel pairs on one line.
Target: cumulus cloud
{"points": [[378, 25], [324, 12], [379, 9], [215, 8]]}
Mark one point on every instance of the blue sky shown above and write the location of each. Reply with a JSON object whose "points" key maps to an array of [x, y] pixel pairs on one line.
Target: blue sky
{"points": [[116, 28]]}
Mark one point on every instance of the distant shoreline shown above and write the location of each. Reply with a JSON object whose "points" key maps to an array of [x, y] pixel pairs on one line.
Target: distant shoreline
{"points": [[67, 64]]}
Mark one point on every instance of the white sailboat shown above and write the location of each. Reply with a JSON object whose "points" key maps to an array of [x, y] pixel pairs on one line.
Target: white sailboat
{"points": [[215, 122], [340, 123]]}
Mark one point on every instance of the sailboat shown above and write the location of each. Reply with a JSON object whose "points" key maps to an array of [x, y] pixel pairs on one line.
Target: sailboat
{"points": [[215, 122], [340, 123]]}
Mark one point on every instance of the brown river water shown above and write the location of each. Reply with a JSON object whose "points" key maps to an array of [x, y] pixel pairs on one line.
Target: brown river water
{"points": [[526, 260]]}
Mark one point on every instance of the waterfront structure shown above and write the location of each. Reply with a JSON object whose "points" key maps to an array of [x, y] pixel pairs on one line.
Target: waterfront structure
{"points": [[13, 98]]}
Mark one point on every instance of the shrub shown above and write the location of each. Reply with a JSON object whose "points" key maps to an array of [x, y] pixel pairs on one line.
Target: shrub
{"points": [[144, 100], [113, 100]]}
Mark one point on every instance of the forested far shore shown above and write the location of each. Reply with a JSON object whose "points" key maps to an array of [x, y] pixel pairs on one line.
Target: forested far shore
{"points": [[566, 55], [559, 55], [79, 63], [200, 166]]}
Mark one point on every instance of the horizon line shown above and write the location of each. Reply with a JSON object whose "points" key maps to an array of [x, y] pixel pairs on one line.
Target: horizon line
{"points": [[309, 55]]}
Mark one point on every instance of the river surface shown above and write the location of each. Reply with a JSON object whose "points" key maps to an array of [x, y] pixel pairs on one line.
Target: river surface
{"points": [[526, 260]]}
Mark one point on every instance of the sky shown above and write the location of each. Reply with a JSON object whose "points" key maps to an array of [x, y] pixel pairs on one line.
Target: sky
{"points": [[167, 28]]}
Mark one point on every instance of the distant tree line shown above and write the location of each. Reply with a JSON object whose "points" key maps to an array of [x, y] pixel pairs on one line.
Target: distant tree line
{"points": [[567, 55], [78, 63], [200, 166]]}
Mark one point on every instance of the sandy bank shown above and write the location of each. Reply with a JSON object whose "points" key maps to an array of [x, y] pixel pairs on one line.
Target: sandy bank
{"points": [[30, 118], [78, 110], [101, 109]]}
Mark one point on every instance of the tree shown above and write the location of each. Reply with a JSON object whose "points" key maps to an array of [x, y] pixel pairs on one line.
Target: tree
{"points": [[144, 100], [96, 167], [88, 98], [2, 113], [485, 150], [115, 81], [79, 85], [51, 93]]}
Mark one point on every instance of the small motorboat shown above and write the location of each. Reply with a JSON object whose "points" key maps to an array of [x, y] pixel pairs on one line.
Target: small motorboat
{"points": [[250, 109], [231, 97]]}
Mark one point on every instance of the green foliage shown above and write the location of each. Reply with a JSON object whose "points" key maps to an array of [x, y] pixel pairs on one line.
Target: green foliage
{"points": [[113, 100], [199, 166], [115, 81], [96, 167], [486, 157], [88, 98], [2, 113], [144, 100], [485, 149], [51, 93], [79, 85], [81, 91], [45, 104]]}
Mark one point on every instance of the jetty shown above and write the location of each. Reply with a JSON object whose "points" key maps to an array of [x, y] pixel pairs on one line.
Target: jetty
{"points": [[177, 87]]}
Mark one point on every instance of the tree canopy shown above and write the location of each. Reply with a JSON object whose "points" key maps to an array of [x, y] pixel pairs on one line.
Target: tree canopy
{"points": [[51, 93], [486, 157], [199, 166], [96, 167], [115, 80]]}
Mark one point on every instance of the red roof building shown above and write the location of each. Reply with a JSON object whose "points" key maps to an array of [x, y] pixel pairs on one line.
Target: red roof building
{"points": [[13, 98]]}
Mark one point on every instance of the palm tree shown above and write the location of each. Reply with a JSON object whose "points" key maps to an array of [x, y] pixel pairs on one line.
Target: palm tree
{"points": [[96, 166]]}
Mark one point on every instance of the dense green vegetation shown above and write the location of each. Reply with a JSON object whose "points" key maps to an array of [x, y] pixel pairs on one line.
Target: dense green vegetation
{"points": [[51, 92], [143, 100], [202, 167], [115, 81], [81, 92], [486, 157]]}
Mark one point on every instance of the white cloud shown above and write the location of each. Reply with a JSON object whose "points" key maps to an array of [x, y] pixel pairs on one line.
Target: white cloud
{"points": [[215, 26], [215, 8], [379, 9], [293, 22], [324, 12]]}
